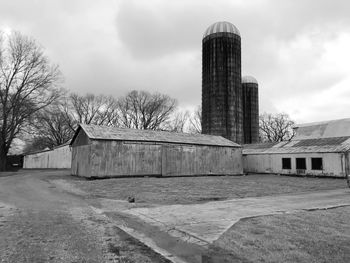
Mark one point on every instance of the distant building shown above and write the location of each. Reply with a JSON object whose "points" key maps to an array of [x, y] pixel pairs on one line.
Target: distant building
{"points": [[58, 158], [99, 151], [318, 149]]}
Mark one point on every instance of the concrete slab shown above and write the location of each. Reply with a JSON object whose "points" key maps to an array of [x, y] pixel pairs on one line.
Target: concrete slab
{"points": [[204, 223]]}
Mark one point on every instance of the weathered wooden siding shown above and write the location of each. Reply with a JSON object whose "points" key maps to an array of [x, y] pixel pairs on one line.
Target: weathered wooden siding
{"points": [[183, 160], [59, 158], [81, 160], [113, 158], [333, 164]]}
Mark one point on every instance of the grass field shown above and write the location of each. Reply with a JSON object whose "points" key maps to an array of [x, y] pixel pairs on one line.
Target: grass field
{"points": [[188, 190], [312, 236]]}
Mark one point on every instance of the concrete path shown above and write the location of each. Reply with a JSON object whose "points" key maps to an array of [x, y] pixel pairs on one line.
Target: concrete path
{"points": [[204, 223]]}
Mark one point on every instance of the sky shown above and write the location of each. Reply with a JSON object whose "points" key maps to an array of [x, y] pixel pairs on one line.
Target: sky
{"points": [[298, 50]]}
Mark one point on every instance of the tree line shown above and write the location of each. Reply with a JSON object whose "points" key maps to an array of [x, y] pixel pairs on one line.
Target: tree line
{"points": [[33, 102], [56, 124]]}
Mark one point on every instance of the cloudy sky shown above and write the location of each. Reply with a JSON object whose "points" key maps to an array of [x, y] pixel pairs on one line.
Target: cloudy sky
{"points": [[298, 50]]}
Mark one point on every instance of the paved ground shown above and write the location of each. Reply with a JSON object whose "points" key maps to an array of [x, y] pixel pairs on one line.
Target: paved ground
{"points": [[204, 223]]}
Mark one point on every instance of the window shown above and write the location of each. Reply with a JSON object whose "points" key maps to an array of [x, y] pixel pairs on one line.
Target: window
{"points": [[286, 163], [301, 163], [316, 164]]}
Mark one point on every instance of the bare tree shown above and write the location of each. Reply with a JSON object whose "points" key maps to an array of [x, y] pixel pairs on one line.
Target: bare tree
{"points": [[91, 109], [27, 85], [275, 127], [196, 121], [143, 110], [54, 126], [177, 122], [37, 143]]}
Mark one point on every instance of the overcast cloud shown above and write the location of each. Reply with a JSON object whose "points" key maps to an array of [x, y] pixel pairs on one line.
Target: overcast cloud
{"points": [[298, 50]]}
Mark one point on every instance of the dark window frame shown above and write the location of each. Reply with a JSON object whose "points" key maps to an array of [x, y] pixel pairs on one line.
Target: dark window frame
{"points": [[300, 163], [286, 163], [316, 165]]}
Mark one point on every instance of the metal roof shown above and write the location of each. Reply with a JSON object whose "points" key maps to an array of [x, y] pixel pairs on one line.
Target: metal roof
{"points": [[326, 129], [249, 79], [322, 145], [221, 27], [96, 132], [47, 149]]}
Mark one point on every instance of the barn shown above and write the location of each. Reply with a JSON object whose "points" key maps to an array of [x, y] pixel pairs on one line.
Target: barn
{"points": [[99, 152], [318, 149], [57, 158]]}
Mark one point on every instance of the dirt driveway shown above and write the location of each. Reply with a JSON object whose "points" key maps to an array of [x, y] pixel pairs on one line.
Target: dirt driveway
{"points": [[40, 222]]}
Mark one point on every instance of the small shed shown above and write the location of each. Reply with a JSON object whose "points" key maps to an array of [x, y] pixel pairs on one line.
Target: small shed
{"points": [[59, 157], [318, 149], [99, 151]]}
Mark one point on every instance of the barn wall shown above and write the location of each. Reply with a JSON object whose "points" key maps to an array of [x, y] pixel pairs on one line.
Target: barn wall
{"points": [[201, 160], [112, 159], [333, 164], [81, 160], [59, 158]]}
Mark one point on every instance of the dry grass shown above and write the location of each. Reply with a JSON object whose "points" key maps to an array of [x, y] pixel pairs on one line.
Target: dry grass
{"points": [[313, 236], [187, 190]]}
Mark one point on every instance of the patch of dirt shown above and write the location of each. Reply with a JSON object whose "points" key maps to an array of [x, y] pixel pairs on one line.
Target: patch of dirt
{"points": [[6, 210], [68, 187]]}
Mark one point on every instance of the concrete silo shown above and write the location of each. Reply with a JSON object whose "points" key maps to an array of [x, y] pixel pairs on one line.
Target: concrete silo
{"points": [[222, 112], [250, 100]]}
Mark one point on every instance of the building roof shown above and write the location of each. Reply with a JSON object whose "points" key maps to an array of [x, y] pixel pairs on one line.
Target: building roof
{"points": [[321, 145], [325, 129], [249, 79], [221, 27], [48, 149], [96, 132]]}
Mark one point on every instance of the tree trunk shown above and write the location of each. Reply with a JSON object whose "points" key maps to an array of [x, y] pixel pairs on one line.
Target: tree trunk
{"points": [[3, 160]]}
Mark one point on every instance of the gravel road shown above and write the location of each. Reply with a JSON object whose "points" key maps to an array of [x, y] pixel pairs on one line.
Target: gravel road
{"points": [[40, 222]]}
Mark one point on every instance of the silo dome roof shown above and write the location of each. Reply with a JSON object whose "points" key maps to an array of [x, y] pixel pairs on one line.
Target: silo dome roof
{"points": [[249, 79], [219, 27]]}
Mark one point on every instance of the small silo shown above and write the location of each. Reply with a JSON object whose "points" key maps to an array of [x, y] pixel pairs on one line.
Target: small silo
{"points": [[250, 99], [222, 112]]}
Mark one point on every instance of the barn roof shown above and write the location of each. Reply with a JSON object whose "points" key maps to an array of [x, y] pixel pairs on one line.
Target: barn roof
{"points": [[321, 145], [47, 149], [96, 132], [325, 129]]}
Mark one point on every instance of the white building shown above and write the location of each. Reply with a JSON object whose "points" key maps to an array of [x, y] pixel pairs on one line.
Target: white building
{"points": [[318, 149], [57, 158]]}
